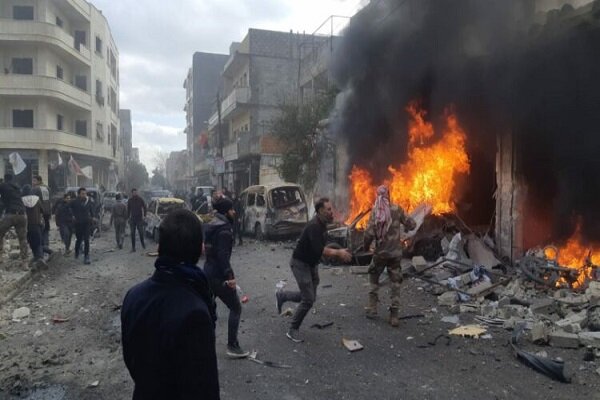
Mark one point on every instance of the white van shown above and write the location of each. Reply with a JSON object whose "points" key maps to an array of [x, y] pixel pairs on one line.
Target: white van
{"points": [[271, 211]]}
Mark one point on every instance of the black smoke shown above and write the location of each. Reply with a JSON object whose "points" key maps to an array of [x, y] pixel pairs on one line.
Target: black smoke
{"points": [[506, 66]]}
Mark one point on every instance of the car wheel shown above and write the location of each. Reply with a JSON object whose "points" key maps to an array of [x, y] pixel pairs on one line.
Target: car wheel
{"points": [[258, 232], [155, 235]]}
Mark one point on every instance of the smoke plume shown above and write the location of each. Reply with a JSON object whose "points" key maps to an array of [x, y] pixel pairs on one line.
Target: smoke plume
{"points": [[505, 66]]}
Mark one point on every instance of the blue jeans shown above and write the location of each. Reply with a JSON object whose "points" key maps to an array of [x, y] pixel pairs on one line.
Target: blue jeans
{"points": [[66, 234]]}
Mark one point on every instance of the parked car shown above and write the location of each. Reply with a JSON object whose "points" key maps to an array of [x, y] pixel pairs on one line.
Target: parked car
{"points": [[277, 210], [157, 209], [148, 195]]}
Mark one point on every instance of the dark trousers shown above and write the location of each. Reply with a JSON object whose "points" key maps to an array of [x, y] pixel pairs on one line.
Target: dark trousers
{"points": [[19, 222], [139, 225], [237, 230], [46, 233], [307, 278], [66, 234], [34, 238], [230, 298], [120, 232], [82, 234]]}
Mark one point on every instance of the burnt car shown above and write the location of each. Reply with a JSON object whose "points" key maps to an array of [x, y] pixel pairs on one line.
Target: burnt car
{"points": [[271, 211], [349, 237]]}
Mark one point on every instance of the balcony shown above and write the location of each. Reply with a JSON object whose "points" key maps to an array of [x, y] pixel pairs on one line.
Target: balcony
{"points": [[237, 97], [81, 6], [35, 32], [45, 139], [34, 85]]}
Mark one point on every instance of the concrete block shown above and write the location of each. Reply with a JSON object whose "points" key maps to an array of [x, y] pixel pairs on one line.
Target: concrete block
{"points": [[14, 254], [448, 299], [539, 333], [503, 302], [543, 306], [564, 339], [441, 275], [479, 288], [419, 263], [589, 339], [512, 310], [572, 328], [593, 292], [21, 313], [579, 318]]}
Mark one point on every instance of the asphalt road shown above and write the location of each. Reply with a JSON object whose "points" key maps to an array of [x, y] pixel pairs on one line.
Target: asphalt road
{"points": [[81, 358]]}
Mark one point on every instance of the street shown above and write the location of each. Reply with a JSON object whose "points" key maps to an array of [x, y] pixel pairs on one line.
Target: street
{"points": [[80, 358]]}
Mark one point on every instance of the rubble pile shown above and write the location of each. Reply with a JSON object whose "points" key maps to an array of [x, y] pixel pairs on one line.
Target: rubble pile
{"points": [[469, 278]]}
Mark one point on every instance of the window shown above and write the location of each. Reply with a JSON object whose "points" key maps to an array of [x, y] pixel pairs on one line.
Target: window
{"points": [[59, 122], [81, 127], [23, 12], [99, 46], [99, 93], [112, 100], [22, 66], [108, 134], [99, 132], [260, 200], [81, 82], [79, 39], [59, 72], [59, 22], [22, 118], [113, 65], [251, 199]]}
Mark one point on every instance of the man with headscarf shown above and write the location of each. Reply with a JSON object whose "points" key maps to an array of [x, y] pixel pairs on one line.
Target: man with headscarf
{"points": [[35, 225], [384, 228]]}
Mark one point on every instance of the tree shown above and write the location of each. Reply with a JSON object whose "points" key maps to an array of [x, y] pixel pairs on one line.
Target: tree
{"points": [[160, 161], [137, 175], [158, 179], [296, 129]]}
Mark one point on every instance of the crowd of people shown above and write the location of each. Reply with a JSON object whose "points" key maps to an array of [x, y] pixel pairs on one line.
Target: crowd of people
{"points": [[168, 321]]}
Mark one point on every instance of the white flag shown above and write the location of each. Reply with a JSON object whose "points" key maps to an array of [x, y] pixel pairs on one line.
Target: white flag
{"points": [[17, 162], [60, 161], [88, 172]]}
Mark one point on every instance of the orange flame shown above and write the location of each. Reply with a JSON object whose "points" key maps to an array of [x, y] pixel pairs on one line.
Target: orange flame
{"points": [[428, 176], [576, 255]]}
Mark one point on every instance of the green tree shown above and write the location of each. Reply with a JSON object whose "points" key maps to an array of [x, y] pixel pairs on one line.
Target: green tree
{"points": [[296, 129], [158, 179], [137, 175]]}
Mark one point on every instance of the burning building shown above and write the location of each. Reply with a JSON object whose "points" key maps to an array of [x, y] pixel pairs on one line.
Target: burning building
{"points": [[485, 109]]}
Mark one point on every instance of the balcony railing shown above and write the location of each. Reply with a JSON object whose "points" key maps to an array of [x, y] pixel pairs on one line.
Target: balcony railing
{"points": [[240, 95], [43, 139], [35, 31], [35, 85]]}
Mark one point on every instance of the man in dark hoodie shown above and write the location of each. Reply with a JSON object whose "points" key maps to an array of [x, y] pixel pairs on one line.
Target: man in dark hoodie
{"points": [[14, 216], [35, 225], [168, 321], [218, 243], [63, 216], [83, 212]]}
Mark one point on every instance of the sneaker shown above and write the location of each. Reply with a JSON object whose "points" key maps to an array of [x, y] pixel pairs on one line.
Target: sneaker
{"points": [[235, 351], [86, 260], [279, 301], [294, 336]]}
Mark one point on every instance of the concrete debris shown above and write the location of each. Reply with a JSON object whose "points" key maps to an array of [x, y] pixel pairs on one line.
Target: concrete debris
{"points": [[21, 313], [419, 263], [539, 333], [564, 339], [468, 331], [352, 345], [589, 339], [480, 253], [448, 299], [452, 319]]}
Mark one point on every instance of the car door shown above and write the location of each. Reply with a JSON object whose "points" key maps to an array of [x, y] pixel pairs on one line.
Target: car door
{"points": [[150, 217]]}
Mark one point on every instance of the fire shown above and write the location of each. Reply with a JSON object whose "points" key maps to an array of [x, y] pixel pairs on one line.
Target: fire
{"points": [[574, 254], [428, 176]]}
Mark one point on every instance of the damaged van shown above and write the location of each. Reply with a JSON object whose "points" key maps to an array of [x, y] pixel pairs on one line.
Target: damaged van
{"points": [[272, 211]]}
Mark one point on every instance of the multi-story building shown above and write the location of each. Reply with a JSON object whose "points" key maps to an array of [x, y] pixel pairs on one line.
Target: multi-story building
{"points": [[59, 93], [135, 154], [126, 134], [201, 86], [260, 75], [176, 166]]}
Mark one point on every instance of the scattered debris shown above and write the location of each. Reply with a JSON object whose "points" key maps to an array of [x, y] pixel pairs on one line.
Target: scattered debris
{"points": [[322, 326], [152, 254], [21, 313], [94, 384], [57, 319], [254, 358], [468, 331], [352, 345], [453, 319]]}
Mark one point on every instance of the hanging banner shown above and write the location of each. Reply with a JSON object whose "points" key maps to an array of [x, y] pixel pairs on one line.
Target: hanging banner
{"points": [[60, 160], [74, 167], [87, 172], [17, 162]]}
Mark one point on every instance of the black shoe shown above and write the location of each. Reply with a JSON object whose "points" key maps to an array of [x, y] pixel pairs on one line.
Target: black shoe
{"points": [[235, 351], [76, 255], [143, 246], [86, 260], [294, 335], [279, 301]]}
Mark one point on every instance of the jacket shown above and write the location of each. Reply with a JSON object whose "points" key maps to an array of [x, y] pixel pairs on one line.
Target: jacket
{"points": [[136, 209], [119, 212], [10, 194], [218, 244], [83, 210], [390, 246], [63, 214], [33, 209], [43, 192], [168, 336]]}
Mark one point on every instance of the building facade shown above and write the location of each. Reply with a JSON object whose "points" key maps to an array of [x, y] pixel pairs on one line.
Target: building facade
{"points": [[176, 166], [201, 86], [260, 75], [59, 93]]}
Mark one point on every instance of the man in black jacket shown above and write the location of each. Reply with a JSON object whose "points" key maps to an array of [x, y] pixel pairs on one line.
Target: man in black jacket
{"points": [[63, 216], [136, 212], [168, 321], [83, 212], [14, 216], [218, 245]]}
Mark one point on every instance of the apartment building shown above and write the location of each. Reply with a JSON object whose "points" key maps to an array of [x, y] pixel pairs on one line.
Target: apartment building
{"points": [[260, 74], [201, 86], [59, 93]]}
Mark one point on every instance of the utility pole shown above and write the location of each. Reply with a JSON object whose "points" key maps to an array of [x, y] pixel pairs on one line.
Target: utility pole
{"points": [[220, 140]]}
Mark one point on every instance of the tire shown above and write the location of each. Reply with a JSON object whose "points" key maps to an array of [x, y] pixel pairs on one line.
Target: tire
{"points": [[258, 232], [155, 235]]}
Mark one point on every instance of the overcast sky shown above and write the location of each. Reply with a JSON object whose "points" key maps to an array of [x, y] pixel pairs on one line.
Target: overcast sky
{"points": [[156, 40]]}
